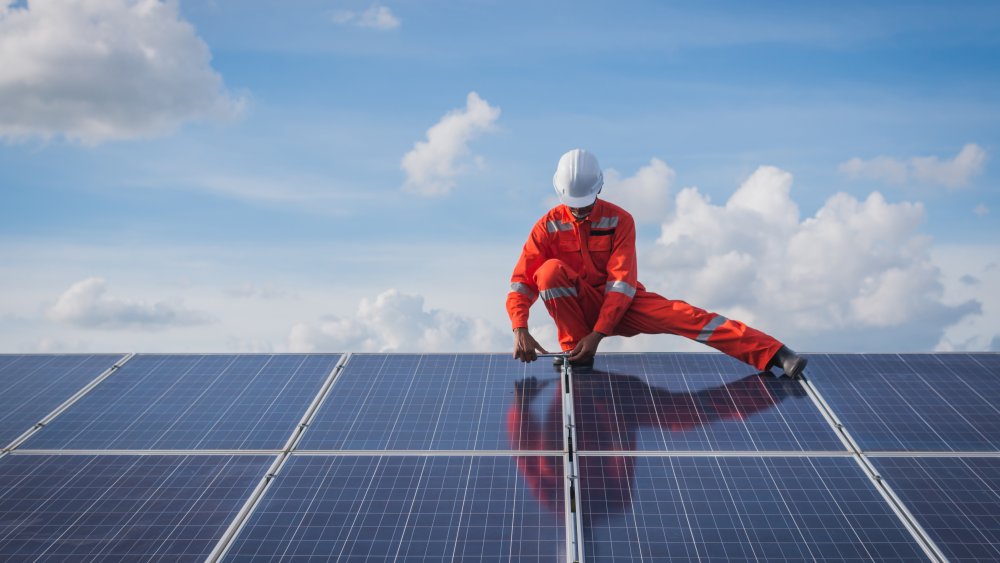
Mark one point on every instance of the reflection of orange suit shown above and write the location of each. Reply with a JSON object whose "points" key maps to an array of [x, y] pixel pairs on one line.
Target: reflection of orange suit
{"points": [[612, 426], [586, 274]]}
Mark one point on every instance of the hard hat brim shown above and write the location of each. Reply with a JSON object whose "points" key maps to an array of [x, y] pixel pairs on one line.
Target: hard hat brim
{"points": [[577, 202]]}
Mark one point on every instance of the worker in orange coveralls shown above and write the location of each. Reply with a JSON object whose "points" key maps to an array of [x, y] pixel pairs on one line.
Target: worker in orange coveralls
{"points": [[580, 259], [616, 407]]}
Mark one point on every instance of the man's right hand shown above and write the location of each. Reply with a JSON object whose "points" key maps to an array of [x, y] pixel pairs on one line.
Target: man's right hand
{"points": [[525, 346]]}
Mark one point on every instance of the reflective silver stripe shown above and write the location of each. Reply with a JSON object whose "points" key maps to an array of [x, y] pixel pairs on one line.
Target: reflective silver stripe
{"points": [[553, 226], [605, 223], [621, 287], [554, 292], [523, 289], [709, 328]]}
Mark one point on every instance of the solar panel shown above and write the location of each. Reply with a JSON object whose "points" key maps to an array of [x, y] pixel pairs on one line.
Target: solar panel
{"points": [[192, 402], [737, 508], [693, 402], [433, 508], [32, 386], [148, 508], [956, 500], [439, 402], [913, 402]]}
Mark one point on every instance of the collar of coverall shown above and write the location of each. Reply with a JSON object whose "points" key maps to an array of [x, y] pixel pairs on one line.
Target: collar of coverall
{"points": [[596, 213]]}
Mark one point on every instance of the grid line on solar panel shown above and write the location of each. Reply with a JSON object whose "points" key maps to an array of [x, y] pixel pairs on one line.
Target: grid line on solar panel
{"points": [[177, 402], [737, 508], [956, 501], [413, 508], [694, 402], [32, 386], [913, 402], [454, 402], [88, 508]]}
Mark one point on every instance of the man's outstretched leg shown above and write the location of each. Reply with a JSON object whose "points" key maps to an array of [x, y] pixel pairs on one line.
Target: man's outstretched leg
{"points": [[654, 314]]}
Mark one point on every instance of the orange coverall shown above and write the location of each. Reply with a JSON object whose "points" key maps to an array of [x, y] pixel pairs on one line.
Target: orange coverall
{"points": [[585, 272]]}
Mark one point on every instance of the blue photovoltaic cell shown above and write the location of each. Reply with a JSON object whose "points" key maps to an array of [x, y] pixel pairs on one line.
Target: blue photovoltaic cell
{"points": [[32, 386], [439, 402], [737, 509], [409, 508], [693, 402], [956, 500], [216, 402], [140, 508], [913, 402]]}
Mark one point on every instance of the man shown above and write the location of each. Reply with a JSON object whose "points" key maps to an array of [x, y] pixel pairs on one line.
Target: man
{"points": [[580, 258]]}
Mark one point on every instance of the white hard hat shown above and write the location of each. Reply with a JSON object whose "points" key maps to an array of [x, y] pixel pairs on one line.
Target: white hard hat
{"points": [[578, 178]]}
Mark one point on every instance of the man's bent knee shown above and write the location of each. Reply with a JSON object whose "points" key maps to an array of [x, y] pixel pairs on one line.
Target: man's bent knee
{"points": [[554, 273]]}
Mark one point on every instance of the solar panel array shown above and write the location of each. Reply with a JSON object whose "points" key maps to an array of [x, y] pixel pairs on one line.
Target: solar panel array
{"points": [[448, 457]]}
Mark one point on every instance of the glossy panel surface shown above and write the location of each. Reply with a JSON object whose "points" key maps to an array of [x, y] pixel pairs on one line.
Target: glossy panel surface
{"points": [[32, 386], [955, 500], [693, 402], [192, 402], [429, 508], [140, 508], [737, 509], [439, 402], [914, 402]]}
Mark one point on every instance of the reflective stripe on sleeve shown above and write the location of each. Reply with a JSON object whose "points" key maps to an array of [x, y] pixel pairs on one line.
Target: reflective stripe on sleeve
{"points": [[553, 226], [621, 287], [709, 329], [605, 223], [555, 292], [523, 289]]}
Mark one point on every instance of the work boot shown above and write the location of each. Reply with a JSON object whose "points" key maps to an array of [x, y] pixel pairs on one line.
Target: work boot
{"points": [[789, 362]]}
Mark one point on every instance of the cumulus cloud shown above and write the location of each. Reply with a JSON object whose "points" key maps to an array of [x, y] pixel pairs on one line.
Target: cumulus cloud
{"points": [[398, 322], [855, 276], [953, 173], [85, 305], [432, 166], [646, 195], [94, 70], [375, 17]]}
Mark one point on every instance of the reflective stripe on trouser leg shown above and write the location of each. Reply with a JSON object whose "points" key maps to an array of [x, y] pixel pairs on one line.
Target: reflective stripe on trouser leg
{"points": [[650, 313], [573, 306], [709, 329]]}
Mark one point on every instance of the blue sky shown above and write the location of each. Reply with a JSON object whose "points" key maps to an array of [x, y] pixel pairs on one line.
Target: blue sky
{"points": [[228, 175]]}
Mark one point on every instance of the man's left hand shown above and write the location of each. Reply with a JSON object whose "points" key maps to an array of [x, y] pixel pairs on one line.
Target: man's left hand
{"points": [[586, 347]]}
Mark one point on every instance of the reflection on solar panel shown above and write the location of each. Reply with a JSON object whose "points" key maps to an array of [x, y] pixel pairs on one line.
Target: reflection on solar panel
{"points": [[956, 500], [742, 508], [890, 402], [381, 508], [213, 402], [439, 402], [149, 508], [32, 386], [699, 402]]}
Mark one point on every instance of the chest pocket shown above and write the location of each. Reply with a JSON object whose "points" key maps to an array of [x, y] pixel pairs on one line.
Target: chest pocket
{"points": [[567, 241], [599, 241]]}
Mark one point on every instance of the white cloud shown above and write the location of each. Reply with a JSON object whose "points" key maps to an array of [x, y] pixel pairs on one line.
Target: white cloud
{"points": [[431, 166], [375, 17], [267, 291], [954, 173], [856, 276], [646, 195], [94, 70], [84, 304], [398, 322], [981, 210]]}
